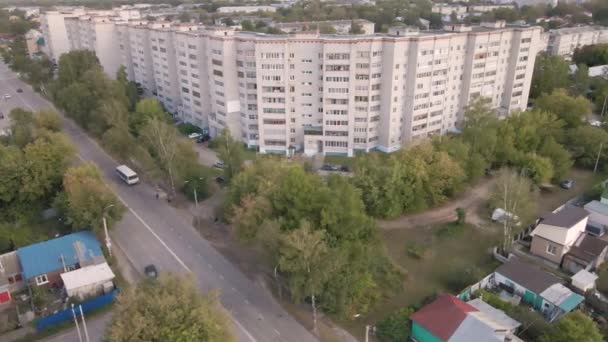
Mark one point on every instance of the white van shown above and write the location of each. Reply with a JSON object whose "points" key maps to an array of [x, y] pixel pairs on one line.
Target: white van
{"points": [[127, 175]]}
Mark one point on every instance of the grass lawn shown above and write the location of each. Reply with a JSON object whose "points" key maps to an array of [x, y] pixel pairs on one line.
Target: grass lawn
{"points": [[434, 258], [551, 198]]}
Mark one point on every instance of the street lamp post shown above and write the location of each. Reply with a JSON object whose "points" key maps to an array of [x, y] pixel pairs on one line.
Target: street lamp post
{"points": [[105, 229]]}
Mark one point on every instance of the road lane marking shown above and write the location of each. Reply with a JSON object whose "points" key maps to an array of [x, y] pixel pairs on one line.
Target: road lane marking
{"points": [[244, 330], [171, 251], [276, 331]]}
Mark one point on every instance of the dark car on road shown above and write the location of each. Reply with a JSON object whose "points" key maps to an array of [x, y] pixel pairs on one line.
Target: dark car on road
{"points": [[151, 272], [19, 90]]}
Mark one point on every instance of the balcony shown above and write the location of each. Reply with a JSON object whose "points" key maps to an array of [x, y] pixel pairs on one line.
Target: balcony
{"points": [[313, 130]]}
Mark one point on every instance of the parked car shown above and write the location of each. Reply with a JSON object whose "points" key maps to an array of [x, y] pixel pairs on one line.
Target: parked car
{"points": [[344, 168], [7, 96], [501, 215], [595, 123], [219, 165], [19, 90], [1, 115], [330, 167], [151, 272], [567, 184], [194, 135], [203, 138], [220, 180]]}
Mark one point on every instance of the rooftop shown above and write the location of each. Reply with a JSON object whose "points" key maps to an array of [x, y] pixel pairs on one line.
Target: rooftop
{"points": [[496, 315], [529, 276], [588, 247], [597, 207], [566, 218], [575, 30], [443, 316], [92, 274], [48, 256], [562, 296]]}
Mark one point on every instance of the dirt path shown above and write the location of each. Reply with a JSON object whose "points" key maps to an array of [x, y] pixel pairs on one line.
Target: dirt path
{"points": [[472, 200]]}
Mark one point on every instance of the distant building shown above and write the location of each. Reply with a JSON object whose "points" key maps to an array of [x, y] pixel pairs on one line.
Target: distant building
{"points": [[341, 26], [563, 42], [34, 42], [246, 9]]}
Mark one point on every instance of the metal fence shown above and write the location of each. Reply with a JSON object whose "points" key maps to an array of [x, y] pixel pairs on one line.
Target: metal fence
{"points": [[66, 315]]}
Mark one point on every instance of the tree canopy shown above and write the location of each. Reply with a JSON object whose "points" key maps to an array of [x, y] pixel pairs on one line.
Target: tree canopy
{"points": [[550, 73], [170, 308], [575, 326]]}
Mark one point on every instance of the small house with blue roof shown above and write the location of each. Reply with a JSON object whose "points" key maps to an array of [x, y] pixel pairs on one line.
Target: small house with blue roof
{"points": [[43, 263]]}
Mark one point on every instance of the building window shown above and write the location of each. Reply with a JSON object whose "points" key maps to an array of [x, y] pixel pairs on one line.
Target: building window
{"points": [[41, 279], [551, 249]]}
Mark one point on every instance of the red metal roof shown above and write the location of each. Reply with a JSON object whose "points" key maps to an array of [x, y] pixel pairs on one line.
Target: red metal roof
{"points": [[443, 316]]}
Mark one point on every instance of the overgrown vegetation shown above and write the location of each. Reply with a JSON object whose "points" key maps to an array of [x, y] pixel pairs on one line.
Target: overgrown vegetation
{"points": [[170, 308], [137, 131], [316, 233], [35, 163]]}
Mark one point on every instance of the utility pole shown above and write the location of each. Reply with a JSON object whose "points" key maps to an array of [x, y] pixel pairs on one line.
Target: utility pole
{"points": [[366, 333], [597, 160], [84, 325], [604, 106], [105, 229], [76, 321]]}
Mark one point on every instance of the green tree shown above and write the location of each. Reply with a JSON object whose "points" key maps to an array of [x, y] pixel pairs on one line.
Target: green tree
{"points": [[169, 309], [559, 156], [538, 168], [591, 55], [575, 326], [22, 127], [304, 256], [586, 143], [46, 159], [87, 199], [129, 86], [161, 140], [581, 81], [48, 119], [395, 327], [146, 110], [550, 73], [231, 152], [326, 29], [572, 110]]}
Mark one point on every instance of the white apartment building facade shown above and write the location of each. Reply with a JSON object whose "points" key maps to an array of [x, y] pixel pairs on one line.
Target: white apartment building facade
{"points": [[563, 42], [54, 31], [330, 94]]}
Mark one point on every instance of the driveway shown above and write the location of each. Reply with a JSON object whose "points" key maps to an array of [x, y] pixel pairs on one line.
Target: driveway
{"points": [[472, 201]]}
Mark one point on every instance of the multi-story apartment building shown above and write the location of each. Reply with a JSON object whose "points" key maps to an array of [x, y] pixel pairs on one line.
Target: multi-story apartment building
{"points": [[57, 25], [563, 42], [98, 34], [331, 94], [55, 34]]}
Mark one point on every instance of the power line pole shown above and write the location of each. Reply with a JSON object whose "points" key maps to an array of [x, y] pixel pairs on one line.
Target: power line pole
{"points": [[597, 160], [76, 321], [84, 324]]}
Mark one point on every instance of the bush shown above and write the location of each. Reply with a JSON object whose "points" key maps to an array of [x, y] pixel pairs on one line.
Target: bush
{"points": [[396, 327], [450, 230], [416, 251], [458, 277], [188, 128]]}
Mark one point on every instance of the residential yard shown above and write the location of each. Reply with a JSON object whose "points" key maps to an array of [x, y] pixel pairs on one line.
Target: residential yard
{"points": [[440, 258]]}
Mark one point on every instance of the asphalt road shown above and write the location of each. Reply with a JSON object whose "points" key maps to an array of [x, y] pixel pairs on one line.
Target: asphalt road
{"points": [[152, 232]]}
